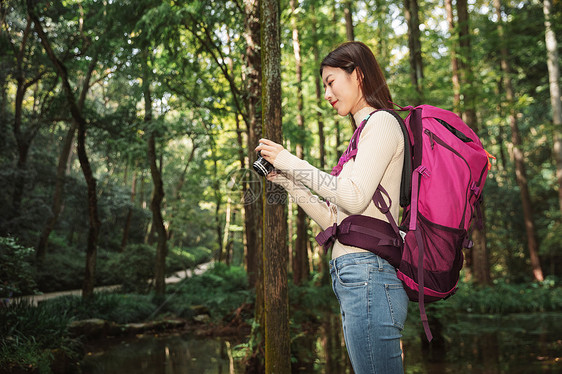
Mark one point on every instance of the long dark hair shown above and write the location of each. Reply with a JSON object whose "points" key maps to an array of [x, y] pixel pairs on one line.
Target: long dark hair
{"points": [[356, 55]]}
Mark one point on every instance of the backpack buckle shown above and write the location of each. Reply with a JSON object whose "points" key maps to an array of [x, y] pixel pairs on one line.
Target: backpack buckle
{"points": [[343, 228]]}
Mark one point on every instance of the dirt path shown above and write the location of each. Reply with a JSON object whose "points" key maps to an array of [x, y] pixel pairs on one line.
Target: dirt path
{"points": [[176, 277]]}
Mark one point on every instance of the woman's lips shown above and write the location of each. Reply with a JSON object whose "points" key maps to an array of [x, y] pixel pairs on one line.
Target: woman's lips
{"points": [[334, 103]]}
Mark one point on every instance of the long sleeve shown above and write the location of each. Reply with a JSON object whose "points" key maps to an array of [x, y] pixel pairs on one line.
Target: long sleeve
{"points": [[380, 142], [323, 214]]}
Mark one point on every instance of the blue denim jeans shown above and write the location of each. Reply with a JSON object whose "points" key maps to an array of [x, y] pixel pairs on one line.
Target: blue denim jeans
{"points": [[373, 307]]}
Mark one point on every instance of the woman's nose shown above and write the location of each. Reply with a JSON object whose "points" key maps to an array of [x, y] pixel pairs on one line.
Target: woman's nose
{"points": [[327, 94]]}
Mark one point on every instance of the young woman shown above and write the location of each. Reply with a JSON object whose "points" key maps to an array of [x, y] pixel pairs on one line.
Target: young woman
{"points": [[372, 300]]}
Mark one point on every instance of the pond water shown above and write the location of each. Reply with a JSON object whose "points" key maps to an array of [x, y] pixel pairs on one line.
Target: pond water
{"points": [[167, 354], [487, 344], [490, 344]]}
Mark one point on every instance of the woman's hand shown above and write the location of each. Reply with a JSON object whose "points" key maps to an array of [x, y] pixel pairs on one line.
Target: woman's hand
{"points": [[269, 150], [279, 178]]}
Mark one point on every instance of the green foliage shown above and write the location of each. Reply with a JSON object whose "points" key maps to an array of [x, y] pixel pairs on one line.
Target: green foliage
{"points": [[133, 267], [310, 302], [195, 51], [22, 319], [16, 271], [61, 270], [221, 290], [23, 353], [187, 258], [500, 298], [504, 297], [120, 308], [28, 334]]}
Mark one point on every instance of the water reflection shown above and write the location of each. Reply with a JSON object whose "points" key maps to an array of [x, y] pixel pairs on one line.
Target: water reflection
{"points": [[485, 344], [489, 344], [170, 354]]}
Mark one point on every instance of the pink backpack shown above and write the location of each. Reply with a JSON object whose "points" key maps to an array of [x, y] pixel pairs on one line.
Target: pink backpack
{"points": [[445, 167]]}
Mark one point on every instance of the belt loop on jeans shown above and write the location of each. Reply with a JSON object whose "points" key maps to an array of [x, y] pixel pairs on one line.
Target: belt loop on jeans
{"points": [[379, 262]]}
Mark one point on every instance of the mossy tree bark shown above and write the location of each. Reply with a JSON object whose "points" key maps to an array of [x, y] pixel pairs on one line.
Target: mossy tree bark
{"points": [[275, 255]]}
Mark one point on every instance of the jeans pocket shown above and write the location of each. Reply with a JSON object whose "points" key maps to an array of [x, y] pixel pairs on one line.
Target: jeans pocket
{"points": [[398, 303], [353, 275]]}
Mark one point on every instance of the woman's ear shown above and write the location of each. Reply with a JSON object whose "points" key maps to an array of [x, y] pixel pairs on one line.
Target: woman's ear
{"points": [[359, 75]]}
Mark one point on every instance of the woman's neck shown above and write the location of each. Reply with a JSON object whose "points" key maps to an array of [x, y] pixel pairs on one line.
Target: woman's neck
{"points": [[362, 113]]}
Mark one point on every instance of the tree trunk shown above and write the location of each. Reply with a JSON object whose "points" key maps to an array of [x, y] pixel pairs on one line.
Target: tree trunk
{"points": [[218, 202], [58, 193], [348, 12], [253, 207], [226, 234], [23, 145], [319, 90], [94, 222], [127, 226], [465, 66], [23, 138], [319, 93], [519, 158], [411, 12], [93, 232], [62, 170], [480, 255], [554, 84], [158, 191], [277, 337], [300, 254], [454, 59], [176, 194]]}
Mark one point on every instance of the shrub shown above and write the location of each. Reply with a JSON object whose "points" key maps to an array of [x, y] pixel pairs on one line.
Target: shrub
{"points": [[29, 333], [22, 353], [134, 267], [500, 298], [120, 308], [221, 290], [180, 258], [62, 270], [16, 271]]}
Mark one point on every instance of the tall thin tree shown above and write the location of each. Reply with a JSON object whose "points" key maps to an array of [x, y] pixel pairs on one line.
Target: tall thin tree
{"points": [[158, 183], [553, 63], [94, 222], [454, 59], [23, 136], [300, 251], [411, 12], [517, 152], [479, 256], [348, 13], [318, 88], [277, 337], [62, 169]]}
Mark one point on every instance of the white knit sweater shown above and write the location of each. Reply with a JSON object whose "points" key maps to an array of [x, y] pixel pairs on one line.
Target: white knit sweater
{"points": [[379, 159]]}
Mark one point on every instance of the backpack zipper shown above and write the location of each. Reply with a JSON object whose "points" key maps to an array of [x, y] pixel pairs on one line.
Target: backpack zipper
{"points": [[435, 139]]}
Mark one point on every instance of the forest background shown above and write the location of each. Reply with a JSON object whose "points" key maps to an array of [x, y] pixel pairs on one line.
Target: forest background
{"points": [[129, 130]]}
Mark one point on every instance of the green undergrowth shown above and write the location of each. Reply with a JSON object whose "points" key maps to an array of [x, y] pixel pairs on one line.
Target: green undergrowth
{"points": [[503, 297], [219, 291], [30, 334]]}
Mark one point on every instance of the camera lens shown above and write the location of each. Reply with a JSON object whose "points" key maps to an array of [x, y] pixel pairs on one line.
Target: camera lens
{"points": [[262, 166]]}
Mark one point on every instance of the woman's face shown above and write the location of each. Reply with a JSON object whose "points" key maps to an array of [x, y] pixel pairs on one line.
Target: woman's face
{"points": [[342, 90]]}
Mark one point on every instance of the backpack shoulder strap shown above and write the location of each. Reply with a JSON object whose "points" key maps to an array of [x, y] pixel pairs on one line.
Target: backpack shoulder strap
{"points": [[381, 205], [406, 182]]}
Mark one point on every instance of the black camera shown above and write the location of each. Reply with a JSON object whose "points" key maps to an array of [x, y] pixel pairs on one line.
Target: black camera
{"points": [[262, 166]]}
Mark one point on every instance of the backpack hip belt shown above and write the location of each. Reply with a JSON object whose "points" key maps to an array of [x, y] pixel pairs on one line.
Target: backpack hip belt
{"points": [[367, 233]]}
